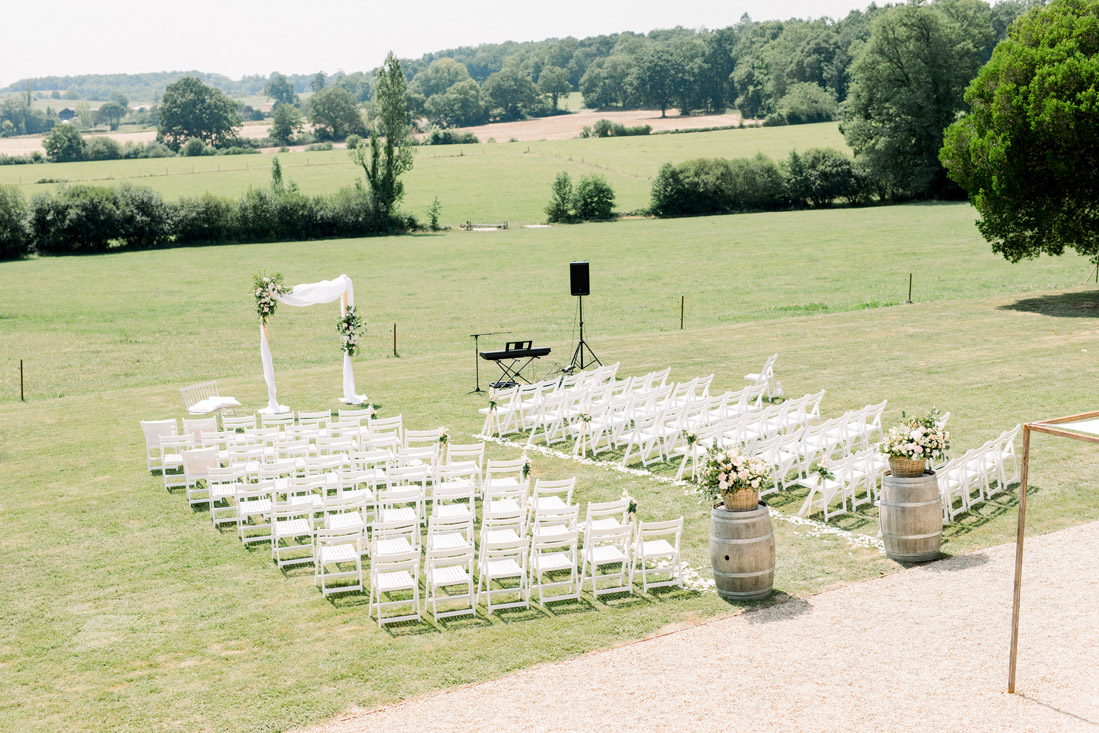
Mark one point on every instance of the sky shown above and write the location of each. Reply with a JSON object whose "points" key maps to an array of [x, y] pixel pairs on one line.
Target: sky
{"points": [[66, 37]]}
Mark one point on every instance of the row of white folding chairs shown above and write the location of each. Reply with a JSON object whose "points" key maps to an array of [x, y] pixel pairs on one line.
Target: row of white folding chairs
{"points": [[747, 429], [511, 565], [852, 475], [765, 378], [511, 407], [649, 424], [979, 474]]}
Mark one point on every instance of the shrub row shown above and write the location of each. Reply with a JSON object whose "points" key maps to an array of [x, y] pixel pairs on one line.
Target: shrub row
{"points": [[606, 128], [89, 219], [592, 199], [818, 177]]}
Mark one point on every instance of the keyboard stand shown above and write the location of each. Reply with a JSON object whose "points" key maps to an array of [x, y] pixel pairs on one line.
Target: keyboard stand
{"points": [[512, 372]]}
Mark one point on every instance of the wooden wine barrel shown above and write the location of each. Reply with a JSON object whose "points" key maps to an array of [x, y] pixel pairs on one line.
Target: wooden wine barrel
{"points": [[911, 515], [742, 553]]}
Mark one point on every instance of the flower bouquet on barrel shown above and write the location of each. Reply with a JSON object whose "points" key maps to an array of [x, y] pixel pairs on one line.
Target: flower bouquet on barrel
{"points": [[913, 442], [734, 478]]}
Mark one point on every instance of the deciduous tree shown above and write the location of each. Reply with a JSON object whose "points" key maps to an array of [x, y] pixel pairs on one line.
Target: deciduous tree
{"points": [[389, 154], [189, 109]]}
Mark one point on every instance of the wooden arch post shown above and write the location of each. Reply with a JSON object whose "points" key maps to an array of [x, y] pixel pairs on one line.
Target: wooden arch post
{"points": [[1089, 433]]}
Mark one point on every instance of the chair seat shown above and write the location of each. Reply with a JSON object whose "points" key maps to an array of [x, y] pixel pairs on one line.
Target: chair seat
{"points": [[657, 548], [292, 528], [606, 523], [501, 535], [331, 554], [548, 502], [250, 508], [404, 514], [553, 530], [344, 520], [450, 575], [223, 491], [503, 568], [448, 541], [553, 561], [453, 511], [302, 500], [395, 546], [606, 555], [394, 580], [503, 505]]}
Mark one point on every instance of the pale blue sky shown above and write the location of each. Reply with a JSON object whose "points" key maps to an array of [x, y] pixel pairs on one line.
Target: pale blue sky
{"points": [[236, 38]]}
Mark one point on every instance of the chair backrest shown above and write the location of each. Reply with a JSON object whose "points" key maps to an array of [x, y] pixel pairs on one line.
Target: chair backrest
{"points": [[397, 529], [608, 509], [154, 430], [562, 488], [544, 543], [229, 422], [500, 520], [196, 427], [359, 415], [437, 526], [314, 418], [423, 438], [343, 503], [393, 425], [560, 518], [383, 441], [445, 557], [339, 535], [620, 536], [395, 562], [198, 392], [198, 461], [425, 454], [282, 418], [278, 469]]}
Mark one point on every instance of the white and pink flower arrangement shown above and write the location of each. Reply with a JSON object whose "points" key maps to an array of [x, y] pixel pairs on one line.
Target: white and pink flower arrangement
{"points": [[917, 438], [730, 473], [348, 327], [266, 289]]}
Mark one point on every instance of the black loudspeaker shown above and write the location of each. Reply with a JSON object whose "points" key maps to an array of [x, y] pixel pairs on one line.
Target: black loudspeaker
{"points": [[578, 276]]}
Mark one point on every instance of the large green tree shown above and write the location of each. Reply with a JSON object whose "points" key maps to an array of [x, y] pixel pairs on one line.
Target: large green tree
{"points": [[658, 77], [459, 106], [389, 154], [334, 112], [908, 85], [285, 123], [110, 113], [553, 82], [1028, 151], [190, 109], [279, 89], [64, 144], [509, 93], [439, 76]]}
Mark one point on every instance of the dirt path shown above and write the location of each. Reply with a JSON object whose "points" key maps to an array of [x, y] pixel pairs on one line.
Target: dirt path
{"points": [[923, 649]]}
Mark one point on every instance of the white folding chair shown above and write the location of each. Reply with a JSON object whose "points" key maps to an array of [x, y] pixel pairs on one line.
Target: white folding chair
{"points": [[606, 548], [154, 430], [553, 561], [292, 524], [318, 419], [391, 574], [222, 484], [445, 570], [197, 463], [338, 557], [253, 506], [656, 553], [172, 448], [551, 495], [499, 562], [231, 422]]}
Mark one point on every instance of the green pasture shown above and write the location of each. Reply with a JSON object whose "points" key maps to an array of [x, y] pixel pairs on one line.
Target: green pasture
{"points": [[125, 610], [487, 182]]}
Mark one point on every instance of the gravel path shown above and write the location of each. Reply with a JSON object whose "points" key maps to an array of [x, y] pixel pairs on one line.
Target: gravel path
{"points": [[922, 649]]}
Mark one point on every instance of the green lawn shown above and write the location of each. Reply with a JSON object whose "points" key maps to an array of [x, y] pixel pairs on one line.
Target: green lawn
{"points": [[125, 610], [485, 182]]}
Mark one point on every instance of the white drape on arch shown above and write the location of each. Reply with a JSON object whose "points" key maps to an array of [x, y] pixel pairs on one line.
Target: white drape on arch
{"points": [[306, 294]]}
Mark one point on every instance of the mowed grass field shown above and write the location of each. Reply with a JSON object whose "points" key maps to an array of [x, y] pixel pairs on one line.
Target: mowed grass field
{"points": [[487, 182], [125, 610]]}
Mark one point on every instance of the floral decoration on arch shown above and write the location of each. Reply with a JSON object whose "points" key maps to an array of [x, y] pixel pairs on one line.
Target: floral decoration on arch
{"points": [[266, 289], [348, 327]]}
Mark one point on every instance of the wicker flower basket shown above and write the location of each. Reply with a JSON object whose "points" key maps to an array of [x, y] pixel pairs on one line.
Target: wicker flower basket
{"points": [[906, 468], [741, 500]]}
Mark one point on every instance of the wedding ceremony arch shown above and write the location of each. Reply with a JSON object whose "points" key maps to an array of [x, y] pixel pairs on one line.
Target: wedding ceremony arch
{"points": [[269, 291]]}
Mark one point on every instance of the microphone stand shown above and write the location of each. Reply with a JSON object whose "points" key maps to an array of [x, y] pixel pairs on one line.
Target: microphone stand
{"points": [[476, 357]]}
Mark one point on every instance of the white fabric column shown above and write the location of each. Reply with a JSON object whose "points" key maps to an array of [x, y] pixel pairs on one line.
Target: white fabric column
{"points": [[349, 395], [273, 406]]}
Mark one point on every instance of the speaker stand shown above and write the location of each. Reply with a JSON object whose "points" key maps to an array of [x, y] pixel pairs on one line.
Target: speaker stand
{"points": [[581, 347]]}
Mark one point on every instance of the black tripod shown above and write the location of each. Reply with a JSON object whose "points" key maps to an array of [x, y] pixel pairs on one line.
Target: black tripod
{"points": [[476, 358], [582, 346]]}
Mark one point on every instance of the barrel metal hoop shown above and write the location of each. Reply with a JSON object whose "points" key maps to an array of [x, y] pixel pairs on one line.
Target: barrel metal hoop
{"points": [[754, 574], [912, 536], [901, 505], [728, 541]]}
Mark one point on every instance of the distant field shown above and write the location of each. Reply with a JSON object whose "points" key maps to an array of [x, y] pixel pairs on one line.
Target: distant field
{"points": [[488, 182]]}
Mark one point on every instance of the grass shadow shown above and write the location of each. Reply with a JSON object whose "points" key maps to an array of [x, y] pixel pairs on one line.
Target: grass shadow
{"points": [[567, 607], [1061, 305]]}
